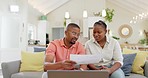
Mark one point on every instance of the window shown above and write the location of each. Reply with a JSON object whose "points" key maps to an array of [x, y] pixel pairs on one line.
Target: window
{"points": [[59, 31]]}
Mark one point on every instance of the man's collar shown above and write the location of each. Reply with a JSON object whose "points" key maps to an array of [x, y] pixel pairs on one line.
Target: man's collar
{"points": [[63, 45], [62, 42]]}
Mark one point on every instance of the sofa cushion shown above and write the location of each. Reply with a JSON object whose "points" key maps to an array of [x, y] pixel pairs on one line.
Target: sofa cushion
{"points": [[132, 75], [32, 61], [139, 61], [127, 63], [27, 75]]}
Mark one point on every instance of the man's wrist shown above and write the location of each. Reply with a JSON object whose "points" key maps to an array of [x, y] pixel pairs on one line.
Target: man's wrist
{"points": [[62, 63]]}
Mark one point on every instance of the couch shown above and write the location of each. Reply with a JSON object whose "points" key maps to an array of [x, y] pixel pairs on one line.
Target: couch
{"points": [[11, 70]]}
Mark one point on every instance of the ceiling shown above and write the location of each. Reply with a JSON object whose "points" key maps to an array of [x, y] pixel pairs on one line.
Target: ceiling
{"points": [[46, 6], [133, 6], [139, 8]]}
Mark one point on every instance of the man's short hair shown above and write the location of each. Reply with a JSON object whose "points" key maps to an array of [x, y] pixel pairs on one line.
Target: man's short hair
{"points": [[72, 25]]}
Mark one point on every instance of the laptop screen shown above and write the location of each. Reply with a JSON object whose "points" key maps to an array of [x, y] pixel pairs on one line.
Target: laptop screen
{"points": [[77, 74]]}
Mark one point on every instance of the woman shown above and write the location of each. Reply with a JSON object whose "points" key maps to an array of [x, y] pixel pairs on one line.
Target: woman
{"points": [[108, 48]]}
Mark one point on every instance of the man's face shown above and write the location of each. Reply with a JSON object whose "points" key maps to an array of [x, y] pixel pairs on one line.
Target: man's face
{"points": [[72, 34]]}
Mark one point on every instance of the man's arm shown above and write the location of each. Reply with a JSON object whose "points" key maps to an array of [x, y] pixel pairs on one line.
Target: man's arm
{"points": [[49, 65], [83, 66]]}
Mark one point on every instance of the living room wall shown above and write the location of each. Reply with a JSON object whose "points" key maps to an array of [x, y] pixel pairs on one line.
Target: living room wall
{"points": [[16, 22], [75, 8], [122, 16]]}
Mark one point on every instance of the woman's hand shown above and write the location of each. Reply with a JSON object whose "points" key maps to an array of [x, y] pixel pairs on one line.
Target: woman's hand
{"points": [[116, 66], [106, 68], [68, 64]]}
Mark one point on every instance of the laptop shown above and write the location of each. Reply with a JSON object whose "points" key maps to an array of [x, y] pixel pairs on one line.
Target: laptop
{"points": [[77, 74]]}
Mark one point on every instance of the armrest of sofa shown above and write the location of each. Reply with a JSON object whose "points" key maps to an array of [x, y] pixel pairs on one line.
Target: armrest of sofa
{"points": [[9, 68], [146, 69]]}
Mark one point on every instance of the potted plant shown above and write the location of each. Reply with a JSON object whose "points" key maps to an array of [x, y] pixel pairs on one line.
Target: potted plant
{"points": [[109, 14], [115, 37], [143, 41], [64, 22]]}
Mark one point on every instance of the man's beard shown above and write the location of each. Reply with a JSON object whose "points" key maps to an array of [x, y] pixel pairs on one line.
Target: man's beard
{"points": [[73, 42]]}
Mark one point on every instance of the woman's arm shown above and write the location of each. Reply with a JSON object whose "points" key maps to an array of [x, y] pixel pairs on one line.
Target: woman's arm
{"points": [[116, 66], [117, 58]]}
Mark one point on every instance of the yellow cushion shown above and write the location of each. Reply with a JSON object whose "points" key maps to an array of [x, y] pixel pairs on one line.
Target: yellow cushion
{"points": [[32, 61], [139, 60]]}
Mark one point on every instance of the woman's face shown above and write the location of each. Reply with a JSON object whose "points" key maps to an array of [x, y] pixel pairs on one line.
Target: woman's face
{"points": [[99, 32]]}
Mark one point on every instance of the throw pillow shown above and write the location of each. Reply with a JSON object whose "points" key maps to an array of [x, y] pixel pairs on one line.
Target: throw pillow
{"points": [[127, 63], [39, 49], [32, 61], [139, 61]]}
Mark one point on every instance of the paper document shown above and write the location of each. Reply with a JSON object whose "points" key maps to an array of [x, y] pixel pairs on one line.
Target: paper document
{"points": [[86, 59]]}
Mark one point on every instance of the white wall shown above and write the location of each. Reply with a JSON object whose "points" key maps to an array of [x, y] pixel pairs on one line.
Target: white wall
{"points": [[75, 8], [41, 34], [0, 26], [13, 28], [33, 15], [0, 33], [145, 24], [27, 14], [10, 32], [10, 24], [123, 16], [10, 54]]}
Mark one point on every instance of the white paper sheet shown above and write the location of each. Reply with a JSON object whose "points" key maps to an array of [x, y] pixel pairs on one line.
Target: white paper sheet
{"points": [[85, 59]]}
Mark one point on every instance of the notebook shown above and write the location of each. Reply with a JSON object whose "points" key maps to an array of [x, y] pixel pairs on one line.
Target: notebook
{"points": [[77, 74]]}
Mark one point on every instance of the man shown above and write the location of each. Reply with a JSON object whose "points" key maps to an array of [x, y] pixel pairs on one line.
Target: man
{"points": [[58, 52]]}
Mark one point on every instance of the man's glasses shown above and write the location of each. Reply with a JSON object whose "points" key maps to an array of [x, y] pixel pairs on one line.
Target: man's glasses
{"points": [[75, 34]]}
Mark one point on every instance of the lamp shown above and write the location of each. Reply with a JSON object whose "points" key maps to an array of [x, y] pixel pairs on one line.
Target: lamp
{"points": [[103, 13], [67, 15], [14, 8], [84, 14], [140, 32], [84, 11]]}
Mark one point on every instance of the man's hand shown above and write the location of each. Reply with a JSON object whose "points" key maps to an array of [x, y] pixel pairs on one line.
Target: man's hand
{"points": [[68, 64]]}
